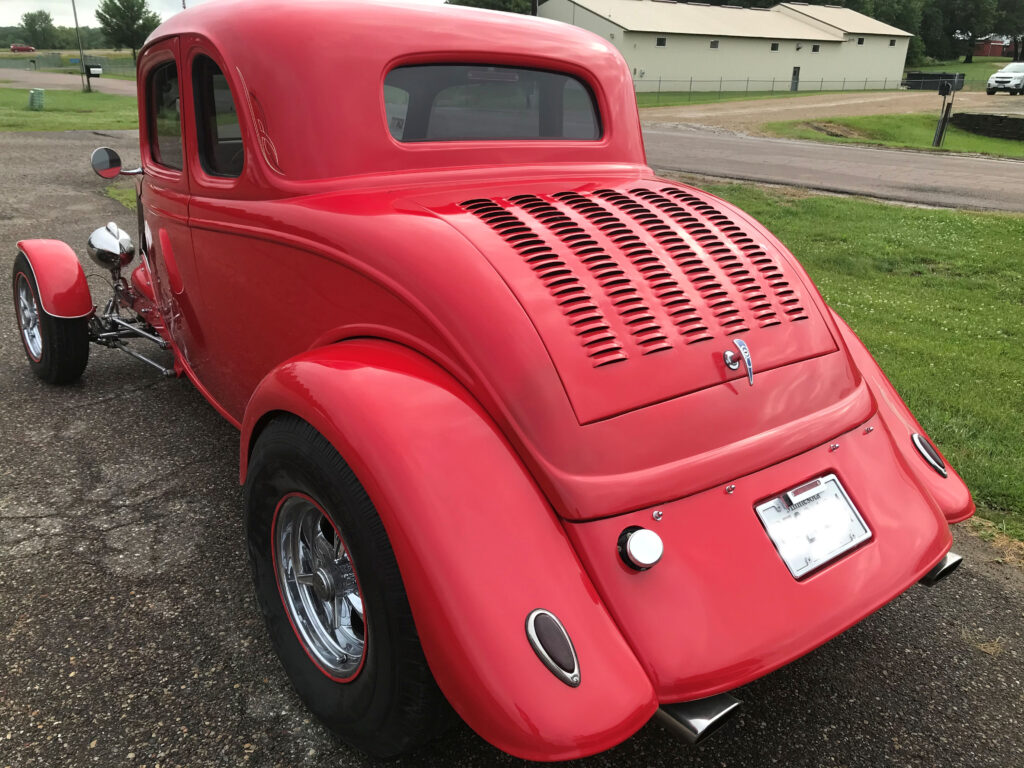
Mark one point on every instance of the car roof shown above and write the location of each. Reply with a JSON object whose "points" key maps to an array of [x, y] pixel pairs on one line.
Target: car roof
{"points": [[315, 68]]}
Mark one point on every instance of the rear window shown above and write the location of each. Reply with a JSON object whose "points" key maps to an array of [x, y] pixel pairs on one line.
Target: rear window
{"points": [[456, 102]]}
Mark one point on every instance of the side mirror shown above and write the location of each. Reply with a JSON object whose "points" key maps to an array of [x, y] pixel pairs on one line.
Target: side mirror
{"points": [[107, 164]]}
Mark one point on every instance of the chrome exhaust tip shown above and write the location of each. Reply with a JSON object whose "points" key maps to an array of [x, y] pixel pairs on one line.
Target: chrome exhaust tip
{"points": [[946, 566], [694, 721]]}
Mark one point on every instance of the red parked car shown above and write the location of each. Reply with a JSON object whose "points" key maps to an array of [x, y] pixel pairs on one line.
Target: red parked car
{"points": [[524, 428], [21, 48]]}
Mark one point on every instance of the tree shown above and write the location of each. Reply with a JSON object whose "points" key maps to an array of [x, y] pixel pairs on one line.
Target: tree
{"points": [[902, 14], [126, 23], [937, 38], [1010, 21], [969, 20], [512, 6], [39, 29]]}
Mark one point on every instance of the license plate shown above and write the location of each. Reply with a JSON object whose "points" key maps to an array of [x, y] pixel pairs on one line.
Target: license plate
{"points": [[812, 524]]}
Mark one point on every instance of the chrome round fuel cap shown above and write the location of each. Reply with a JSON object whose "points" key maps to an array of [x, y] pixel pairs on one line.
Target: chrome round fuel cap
{"points": [[640, 548]]}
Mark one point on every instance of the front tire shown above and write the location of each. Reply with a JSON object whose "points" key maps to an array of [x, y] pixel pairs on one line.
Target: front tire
{"points": [[57, 348], [329, 587]]}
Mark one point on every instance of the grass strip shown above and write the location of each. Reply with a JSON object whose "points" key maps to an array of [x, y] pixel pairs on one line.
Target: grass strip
{"points": [[124, 194], [645, 99], [914, 131]]}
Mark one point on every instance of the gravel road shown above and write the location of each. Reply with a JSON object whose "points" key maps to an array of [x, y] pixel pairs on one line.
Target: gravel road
{"points": [[21, 78], [747, 116], [130, 635]]}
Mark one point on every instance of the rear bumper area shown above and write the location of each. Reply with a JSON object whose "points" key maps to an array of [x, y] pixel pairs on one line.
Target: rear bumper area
{"points": [[721, 608]]}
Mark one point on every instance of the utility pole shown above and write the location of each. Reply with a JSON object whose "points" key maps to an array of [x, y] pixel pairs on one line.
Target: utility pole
{"points": [[86, 87]]}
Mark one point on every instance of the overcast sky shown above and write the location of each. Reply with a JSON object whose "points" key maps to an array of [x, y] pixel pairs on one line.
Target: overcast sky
{"points": [[11, 10]]}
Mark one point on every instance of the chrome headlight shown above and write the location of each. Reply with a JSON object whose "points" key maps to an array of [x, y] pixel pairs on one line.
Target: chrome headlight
{"points": [[111, 247]]}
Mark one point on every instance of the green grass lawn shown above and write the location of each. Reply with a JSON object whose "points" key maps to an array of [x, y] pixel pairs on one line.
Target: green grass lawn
{"points": [[67, 111], [976, 73], [677, 98], [914, 131], [938, 298]]}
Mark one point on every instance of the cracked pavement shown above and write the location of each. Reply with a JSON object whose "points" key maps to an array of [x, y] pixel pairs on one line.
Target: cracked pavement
{"points": [[130, 635]]}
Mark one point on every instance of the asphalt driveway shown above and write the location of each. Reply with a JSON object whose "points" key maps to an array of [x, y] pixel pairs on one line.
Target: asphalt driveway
{"points": [[946, 180], [130, 636]]}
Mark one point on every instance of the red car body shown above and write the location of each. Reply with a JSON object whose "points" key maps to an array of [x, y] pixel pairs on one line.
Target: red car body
{"points": [[518, 347], [21, 48]]}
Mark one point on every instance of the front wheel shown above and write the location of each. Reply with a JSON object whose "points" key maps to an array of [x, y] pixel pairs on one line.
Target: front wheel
{"points": [[990, 91], [57, 348], [329, 587]]}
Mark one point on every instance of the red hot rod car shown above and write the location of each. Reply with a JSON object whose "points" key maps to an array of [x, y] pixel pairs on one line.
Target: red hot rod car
{"points": [[524, 428]]}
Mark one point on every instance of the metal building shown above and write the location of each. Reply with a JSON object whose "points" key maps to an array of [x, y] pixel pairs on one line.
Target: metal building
{"points": [[674, 46]]}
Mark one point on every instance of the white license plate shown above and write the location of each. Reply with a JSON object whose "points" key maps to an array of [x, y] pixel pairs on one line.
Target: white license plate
{"points": [[812, 524]]}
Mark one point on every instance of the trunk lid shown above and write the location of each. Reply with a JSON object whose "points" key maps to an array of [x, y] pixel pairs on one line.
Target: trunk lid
{"points": [[637, 291]]}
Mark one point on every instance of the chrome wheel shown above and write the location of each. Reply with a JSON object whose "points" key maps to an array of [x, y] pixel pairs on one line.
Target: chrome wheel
{"points": [[319, 587], [28, 316]]}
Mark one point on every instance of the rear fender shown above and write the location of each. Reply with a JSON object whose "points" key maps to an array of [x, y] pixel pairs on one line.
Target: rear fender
{"points": [[63, 290], [950, 493], [478, 545]]}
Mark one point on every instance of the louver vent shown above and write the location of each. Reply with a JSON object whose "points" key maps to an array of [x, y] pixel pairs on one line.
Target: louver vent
{"points": [[672, 241], [586, 320], [740, 260], [637, 290]]}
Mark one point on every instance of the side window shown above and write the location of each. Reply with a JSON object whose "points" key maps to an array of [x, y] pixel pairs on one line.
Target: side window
{"points": [[165, 115], [217, 125]]}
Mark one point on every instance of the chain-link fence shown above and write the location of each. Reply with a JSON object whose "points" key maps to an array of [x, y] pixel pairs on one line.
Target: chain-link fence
{"points": [[32, 61], [655, 92], [58, 62]]}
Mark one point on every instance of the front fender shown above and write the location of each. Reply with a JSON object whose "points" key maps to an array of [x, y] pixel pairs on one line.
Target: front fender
{"points": [[950, 493], [63, 290], [478, 545]]}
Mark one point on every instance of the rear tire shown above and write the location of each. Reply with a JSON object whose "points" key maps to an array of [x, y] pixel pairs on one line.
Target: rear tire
{"points": [[385, 702], [57, 348]]}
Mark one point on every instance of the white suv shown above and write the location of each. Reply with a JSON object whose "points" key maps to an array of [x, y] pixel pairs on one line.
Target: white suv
{"points": [[1009, 78]]}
